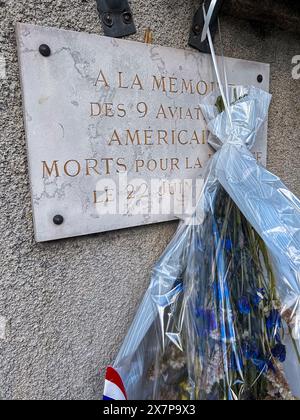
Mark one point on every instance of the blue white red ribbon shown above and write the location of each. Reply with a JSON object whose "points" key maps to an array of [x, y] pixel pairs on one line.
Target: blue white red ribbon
{"points": [[114, 389]]}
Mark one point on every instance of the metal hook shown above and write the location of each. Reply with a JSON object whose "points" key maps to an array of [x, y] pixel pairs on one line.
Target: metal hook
{"points": [[117, 18]]}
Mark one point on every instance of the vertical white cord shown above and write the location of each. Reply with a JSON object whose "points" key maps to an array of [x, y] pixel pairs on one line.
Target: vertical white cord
{"points": [[208, 17], [214, 58]]}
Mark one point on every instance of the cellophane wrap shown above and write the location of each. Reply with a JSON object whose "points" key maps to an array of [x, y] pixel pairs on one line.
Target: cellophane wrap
{"points": [[221, 318]]}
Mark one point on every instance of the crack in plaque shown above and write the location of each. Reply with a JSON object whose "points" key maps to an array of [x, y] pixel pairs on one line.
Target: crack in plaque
{"points": [[59, 191]]}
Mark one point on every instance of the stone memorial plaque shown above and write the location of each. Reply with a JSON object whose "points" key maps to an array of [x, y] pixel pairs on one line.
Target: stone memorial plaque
{"points": [[114, 131]]}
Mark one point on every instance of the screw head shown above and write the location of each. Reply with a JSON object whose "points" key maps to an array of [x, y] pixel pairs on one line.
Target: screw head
{"points": [[127, 17], [260, 78], [58, 220], [45, 50], [197, 29], [108, 19]]}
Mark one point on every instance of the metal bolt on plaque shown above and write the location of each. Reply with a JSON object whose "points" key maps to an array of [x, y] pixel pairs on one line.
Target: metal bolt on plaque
{"points": [[45, 50], [58, 220], [260, 78]]}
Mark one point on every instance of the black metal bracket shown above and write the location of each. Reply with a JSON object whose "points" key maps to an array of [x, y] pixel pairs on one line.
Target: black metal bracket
{"points": [[198, 25], [116, 16]]}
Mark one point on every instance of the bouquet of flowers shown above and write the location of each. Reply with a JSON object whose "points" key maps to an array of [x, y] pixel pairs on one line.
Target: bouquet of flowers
{"points": [[220, 319]]}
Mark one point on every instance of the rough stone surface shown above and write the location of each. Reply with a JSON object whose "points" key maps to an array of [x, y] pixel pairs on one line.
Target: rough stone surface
{"points": [[68, 304], [285, 14]]}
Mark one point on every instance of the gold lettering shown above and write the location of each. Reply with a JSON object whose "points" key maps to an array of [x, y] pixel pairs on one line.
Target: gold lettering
{"points": [[199, 87], [121, 86], [139, 164], [46, 169], [162, 137], [121, 164], [152, 163], [187, 87], [195, 137], [148, 137], [173, 137], [198, 163], [137, 82], [159, 83], [161, 112], [91, 164], [187, 166], [133, 138], [115, 138], [108, 196], [189, 114], [95, 109], [121, 111], [174, 163], [199, 113], [95, 197], [180, 137], [173, 85], [173, 112], [101, 79], [72, 162], [109, 110], [258, 156], [162, 166], [107, 164]]}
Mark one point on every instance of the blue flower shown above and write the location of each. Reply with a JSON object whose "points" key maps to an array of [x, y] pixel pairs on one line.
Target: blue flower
{"points": [[271, 366], [208, 317], [244, 305], [261, 365], [274, 320], [228, 245], [258, 297], [250, 350], [279, 352]]}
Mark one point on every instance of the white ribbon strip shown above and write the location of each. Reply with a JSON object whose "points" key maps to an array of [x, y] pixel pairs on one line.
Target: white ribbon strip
{"points": [[214, 58], [208, 18]]}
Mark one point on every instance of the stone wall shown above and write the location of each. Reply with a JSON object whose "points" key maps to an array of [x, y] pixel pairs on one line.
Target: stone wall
{"points": [[66, 306], [285, 14]]}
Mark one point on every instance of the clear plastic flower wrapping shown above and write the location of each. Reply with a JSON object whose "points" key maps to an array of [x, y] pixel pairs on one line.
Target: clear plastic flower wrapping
{"points": [[221, 318]]}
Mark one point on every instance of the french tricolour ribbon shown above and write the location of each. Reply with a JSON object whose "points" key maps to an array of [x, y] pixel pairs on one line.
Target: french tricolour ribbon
{"points": [[114, 389]]}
